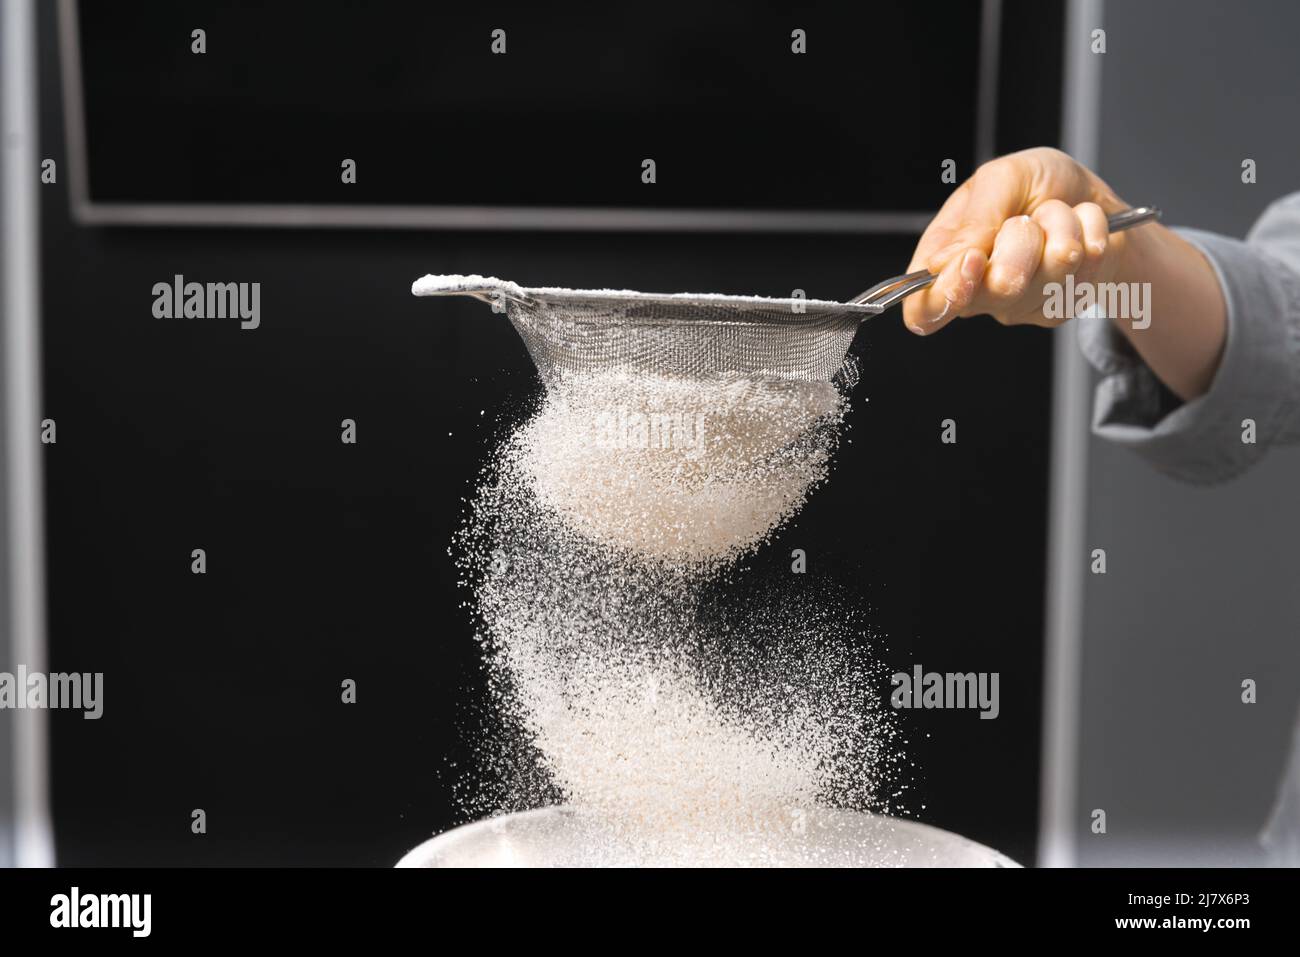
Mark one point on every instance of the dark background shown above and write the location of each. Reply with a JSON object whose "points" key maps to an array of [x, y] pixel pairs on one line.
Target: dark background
{"points": [[412, 92], [328, 561]]}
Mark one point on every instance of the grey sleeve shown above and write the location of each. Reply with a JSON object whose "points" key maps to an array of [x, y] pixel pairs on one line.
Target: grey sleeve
{"points": [[1258, 378]]}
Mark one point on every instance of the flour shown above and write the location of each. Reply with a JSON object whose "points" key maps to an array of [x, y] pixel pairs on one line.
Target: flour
{"points": [[628, 682], [676, 470]]}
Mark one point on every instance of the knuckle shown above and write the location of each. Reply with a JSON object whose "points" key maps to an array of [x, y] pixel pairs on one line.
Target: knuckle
{"points": [[1054, 208], [1008, 283], [1097, 246], [1066, 255]]}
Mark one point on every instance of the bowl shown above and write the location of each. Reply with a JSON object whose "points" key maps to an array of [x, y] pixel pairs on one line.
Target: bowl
{"points": [[568, 837]]}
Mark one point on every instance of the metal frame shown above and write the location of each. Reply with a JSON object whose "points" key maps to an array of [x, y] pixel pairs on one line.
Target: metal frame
{"points": [[986, 90], [88, 212], [24, 554], [1067, 518]]}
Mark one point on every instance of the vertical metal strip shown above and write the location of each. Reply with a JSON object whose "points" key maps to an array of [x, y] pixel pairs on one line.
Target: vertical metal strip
{"points": [[1067, 519], [74, 115], [986, 94], [33, 842]]}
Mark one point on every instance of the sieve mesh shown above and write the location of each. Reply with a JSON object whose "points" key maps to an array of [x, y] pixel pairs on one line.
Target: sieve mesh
{"points": [[688, 341], [585, 332]]}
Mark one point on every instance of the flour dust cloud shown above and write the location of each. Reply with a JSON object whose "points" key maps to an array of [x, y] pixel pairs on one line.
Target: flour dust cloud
{"points": [[684, 708]]}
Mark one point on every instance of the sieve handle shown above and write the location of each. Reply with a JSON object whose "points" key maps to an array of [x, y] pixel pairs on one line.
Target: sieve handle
{"points": [[885, 294]]}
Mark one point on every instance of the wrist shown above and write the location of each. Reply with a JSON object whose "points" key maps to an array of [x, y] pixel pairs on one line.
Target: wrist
{"points": [[1183, 333], [1134, 251]]}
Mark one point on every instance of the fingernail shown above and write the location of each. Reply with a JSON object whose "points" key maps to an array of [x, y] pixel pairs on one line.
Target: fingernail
{"points": [[971, 266], [947, 305]]}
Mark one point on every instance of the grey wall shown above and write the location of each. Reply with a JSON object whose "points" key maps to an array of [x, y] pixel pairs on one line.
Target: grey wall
{"points": [[1201, 589], [6, 664]]}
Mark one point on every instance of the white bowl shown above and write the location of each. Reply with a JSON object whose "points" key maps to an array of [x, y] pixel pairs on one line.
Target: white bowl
{"points": [[565, 837]]}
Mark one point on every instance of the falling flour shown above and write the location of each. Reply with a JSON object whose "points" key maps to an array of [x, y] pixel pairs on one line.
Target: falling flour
{"points": [[674, 470], [627, 681]]}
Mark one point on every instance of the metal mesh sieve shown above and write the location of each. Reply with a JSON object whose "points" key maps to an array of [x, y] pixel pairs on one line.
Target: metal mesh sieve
{"points": [[671, 338], [688, 335], [599, 331]]}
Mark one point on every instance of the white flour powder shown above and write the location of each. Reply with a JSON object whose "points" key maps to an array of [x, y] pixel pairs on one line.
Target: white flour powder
{"points": [[679, 471], [627, 681]]}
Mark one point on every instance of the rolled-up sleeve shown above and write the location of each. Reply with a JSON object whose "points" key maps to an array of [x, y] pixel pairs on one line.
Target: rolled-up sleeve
{"points": [[1258, 376]]}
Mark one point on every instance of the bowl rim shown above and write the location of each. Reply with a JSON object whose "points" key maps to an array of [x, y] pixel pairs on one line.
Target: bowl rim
{"points": [[422, 853]]}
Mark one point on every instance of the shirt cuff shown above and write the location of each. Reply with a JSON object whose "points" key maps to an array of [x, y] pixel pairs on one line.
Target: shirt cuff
{"points": [[1258, 376]]}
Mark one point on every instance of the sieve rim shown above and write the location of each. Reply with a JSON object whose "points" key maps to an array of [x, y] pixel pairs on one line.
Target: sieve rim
{"points": [[822, 307], [489, 288]]}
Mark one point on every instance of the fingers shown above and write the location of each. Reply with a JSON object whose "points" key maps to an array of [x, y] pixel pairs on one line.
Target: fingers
{"points": [[973, 215], [1063, 240], [1062, 255], [1096, 238], [990, 257], [1017, 252], [999, 192], [1029, 255], [950, 296], [959, 241]]}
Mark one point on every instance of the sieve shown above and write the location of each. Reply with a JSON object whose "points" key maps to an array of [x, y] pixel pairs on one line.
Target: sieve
{"points": [[691, 335]]}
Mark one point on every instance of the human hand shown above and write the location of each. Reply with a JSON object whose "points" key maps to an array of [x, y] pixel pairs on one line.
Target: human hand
{"points": [[1021, 222]]}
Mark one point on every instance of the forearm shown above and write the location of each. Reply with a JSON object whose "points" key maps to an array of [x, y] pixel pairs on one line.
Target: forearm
{"points": [[1185, 339]]}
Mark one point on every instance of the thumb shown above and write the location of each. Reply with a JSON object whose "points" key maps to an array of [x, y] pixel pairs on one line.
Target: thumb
{"points": [[998, 192]]}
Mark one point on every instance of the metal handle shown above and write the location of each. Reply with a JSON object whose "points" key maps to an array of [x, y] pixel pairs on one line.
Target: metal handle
{"points": [[885, 294]]}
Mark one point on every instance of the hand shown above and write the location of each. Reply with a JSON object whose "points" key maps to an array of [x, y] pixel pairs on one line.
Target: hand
{"points": [[1021, 222], [1032, 218]]}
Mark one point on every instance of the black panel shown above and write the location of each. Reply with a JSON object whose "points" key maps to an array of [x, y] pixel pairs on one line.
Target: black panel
{"points": [[1031, 74], [329, 561], [412, 92]]}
